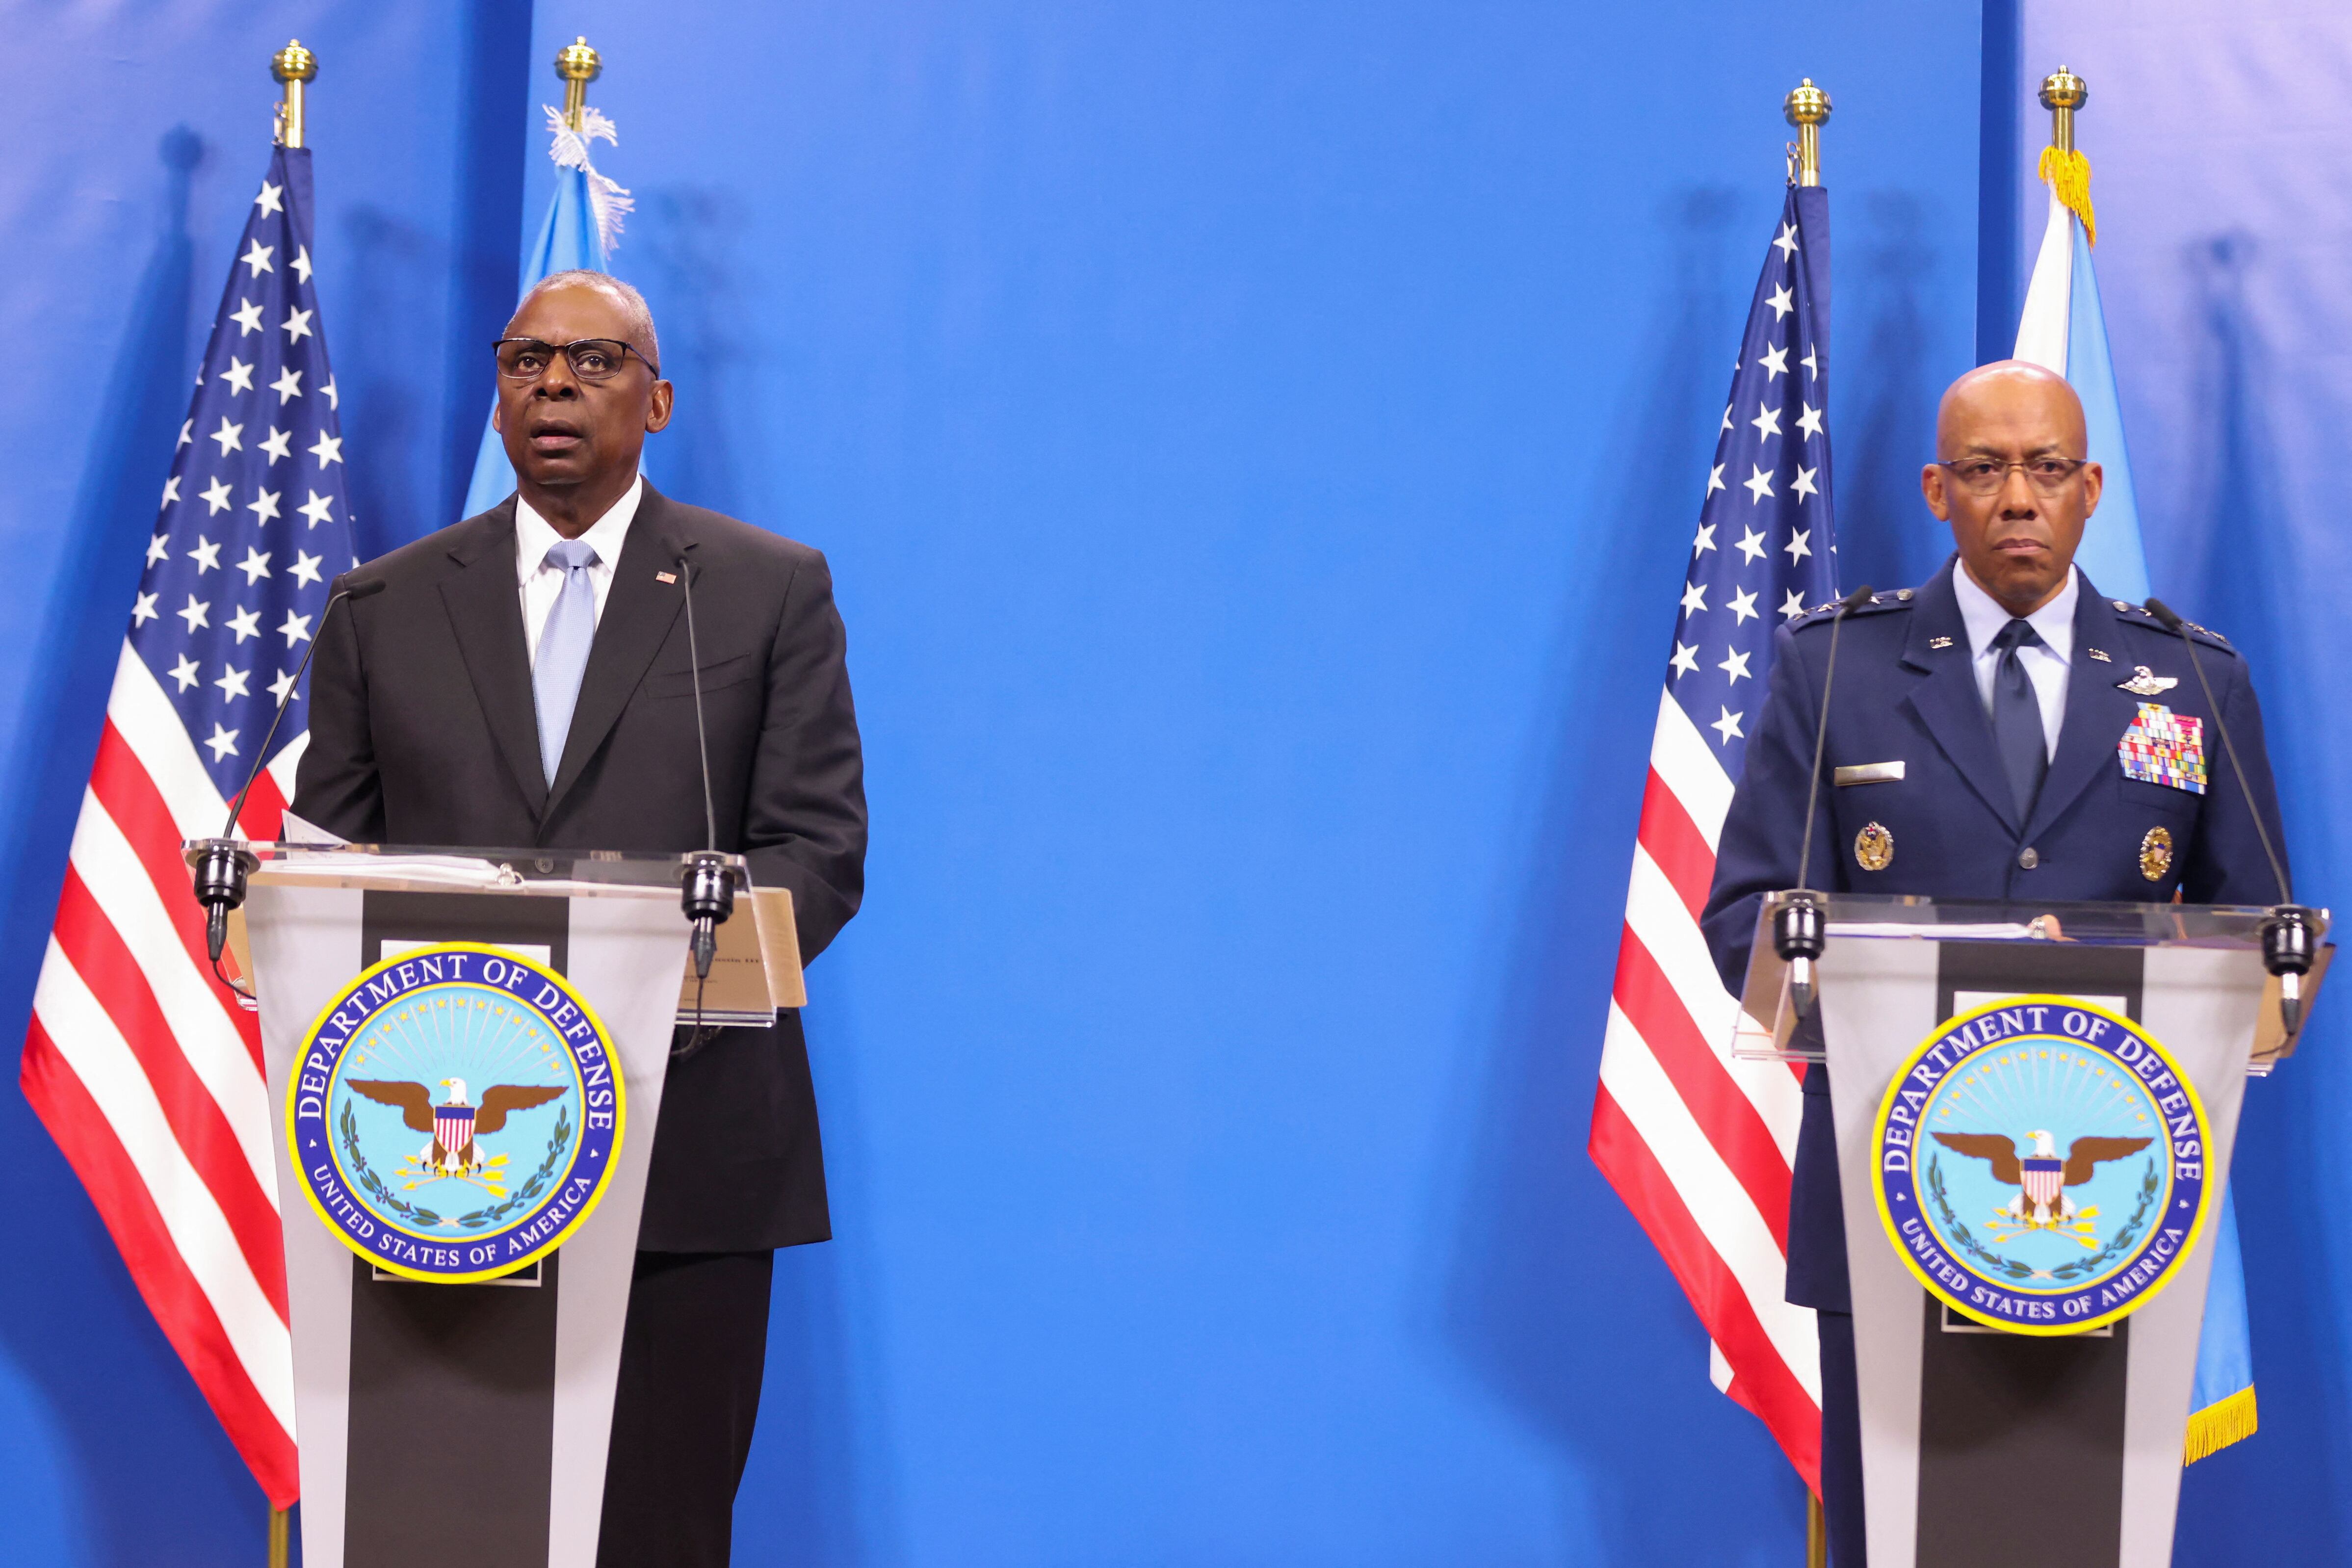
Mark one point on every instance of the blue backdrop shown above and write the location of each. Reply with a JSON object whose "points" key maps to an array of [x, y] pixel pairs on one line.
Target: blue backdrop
{"points": [[1257, 447]]}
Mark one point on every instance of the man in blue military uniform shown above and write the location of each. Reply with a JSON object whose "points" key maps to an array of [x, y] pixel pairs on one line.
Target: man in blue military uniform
{"points": [[2000, 733]]}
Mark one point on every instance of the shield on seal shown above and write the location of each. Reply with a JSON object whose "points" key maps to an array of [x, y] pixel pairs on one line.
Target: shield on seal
{"points": [[2044, 1179], [453, 1127]]}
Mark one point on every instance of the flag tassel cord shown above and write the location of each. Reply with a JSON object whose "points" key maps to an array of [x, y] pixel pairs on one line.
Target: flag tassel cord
{"points": [[2067, 173]]}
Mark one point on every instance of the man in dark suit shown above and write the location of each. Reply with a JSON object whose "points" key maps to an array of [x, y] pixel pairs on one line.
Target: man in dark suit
{"points": [[523, 679], [1978, 749]]}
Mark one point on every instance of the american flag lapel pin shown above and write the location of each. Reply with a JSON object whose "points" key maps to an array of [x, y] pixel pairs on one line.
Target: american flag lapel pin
{"points": [[665, 576]]}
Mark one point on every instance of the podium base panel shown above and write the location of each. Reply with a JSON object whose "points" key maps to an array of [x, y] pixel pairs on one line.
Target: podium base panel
{"points": [[452, 1399], [2033, 1427]]}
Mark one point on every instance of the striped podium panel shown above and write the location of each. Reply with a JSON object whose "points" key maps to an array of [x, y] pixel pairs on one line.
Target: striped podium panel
{"points": [[481, 1411], [2035, 1448]]}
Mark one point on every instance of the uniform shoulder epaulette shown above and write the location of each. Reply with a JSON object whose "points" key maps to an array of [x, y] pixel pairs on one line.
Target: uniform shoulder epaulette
{"points": [[2138, 615], [1895, 599]]}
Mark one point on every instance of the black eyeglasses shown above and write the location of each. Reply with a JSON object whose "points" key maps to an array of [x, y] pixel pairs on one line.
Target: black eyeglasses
{"points": [[593, 359], [1985, 476]]}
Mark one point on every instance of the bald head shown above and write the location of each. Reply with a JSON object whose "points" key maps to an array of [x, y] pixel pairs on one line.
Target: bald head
{"points": [[1996, 393], [2011, 479]]}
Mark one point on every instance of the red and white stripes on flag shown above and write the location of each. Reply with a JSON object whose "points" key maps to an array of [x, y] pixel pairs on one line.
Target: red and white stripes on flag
{"points": [[143, 1068], [1697, 1142], [148, 1073]]}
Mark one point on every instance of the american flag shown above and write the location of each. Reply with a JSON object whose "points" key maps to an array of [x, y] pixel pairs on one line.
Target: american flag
{"points": [[1700, 1145], [144, 1069]]}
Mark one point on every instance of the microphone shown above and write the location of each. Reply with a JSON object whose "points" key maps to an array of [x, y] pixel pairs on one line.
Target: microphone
{"points": [[1799, 926], [706, 892], [2291, 931], [222, 868]]}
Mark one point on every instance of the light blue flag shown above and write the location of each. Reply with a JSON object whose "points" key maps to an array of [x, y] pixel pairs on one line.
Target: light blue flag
{"points": [[2221, 1407], [584, 219], [2063, 328]]}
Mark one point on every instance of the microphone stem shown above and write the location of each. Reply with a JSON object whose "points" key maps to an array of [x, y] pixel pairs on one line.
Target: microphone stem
{"points": [[701, 737], [1820, 744], [2174, 624]]}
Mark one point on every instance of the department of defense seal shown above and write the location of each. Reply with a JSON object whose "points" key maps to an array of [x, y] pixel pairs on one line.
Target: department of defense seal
{"points": [[2042, 1165], [455, 1113]]}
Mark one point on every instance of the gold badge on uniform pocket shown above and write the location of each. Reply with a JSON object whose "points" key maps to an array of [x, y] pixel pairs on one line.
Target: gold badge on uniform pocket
{"points": [[2156, 854], [1874, 847]]}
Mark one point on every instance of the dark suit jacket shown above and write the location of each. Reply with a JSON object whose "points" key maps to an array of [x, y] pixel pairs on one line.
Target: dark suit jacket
{"points": [[423, 731], [1953, 818]]}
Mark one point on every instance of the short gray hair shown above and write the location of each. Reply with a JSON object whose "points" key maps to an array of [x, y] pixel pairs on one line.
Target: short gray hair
{"points": [[642, 336]]}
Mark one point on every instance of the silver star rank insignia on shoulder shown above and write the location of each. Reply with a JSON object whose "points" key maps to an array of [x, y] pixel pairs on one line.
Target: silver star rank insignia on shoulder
{"points": [[2146, 682]]}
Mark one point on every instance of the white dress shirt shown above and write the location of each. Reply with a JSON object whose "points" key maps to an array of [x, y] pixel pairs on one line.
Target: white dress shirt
{"points": [[2046, 665], [539, 582]]}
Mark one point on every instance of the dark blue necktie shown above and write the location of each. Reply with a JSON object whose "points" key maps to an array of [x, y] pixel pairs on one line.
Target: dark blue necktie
{"points": [[2017, 717]]}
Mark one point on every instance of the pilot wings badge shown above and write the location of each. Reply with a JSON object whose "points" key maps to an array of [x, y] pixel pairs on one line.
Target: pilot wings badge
{"points": [[2040, 1165], [2146, 682], [405, 1163]]}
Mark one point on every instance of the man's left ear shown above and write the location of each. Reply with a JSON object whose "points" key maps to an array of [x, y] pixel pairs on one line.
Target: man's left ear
{"points": [[2094, 482], [658, 410]]}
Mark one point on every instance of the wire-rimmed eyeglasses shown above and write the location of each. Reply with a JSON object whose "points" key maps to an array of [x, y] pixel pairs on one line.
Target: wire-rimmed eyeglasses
{"points": [[1984, 475]]}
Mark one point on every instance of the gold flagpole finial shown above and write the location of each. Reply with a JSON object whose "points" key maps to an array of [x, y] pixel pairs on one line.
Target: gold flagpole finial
{"points": [[2062, 166], [1807, 109], [578, 65], [2063, 92], [292, 67]]}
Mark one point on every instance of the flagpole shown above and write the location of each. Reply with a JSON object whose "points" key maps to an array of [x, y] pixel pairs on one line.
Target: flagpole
{"points": [[1807, 108], [2063, 92], [2062, 166], [293, 67], [578, 65]]}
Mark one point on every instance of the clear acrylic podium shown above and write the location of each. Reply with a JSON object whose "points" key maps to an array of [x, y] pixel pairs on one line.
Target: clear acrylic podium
{"points": [[428, 1413], [1983, 1446]]}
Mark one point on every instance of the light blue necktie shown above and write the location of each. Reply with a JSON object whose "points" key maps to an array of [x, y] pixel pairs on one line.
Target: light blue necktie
{"points": [[563, 645]]}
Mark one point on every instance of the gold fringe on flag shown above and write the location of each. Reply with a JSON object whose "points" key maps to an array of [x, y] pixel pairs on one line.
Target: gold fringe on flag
{"points": [[2217, 1425], [2068, 174]]}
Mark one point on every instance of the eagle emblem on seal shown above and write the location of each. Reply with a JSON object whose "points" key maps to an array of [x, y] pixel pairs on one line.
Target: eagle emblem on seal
{"points": [[454, 1124], [2040, 1177]]}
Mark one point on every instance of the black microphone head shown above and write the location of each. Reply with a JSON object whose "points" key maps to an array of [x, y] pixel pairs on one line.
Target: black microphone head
{"points": [[2163, 614], [1856, 599], [364, 587]]}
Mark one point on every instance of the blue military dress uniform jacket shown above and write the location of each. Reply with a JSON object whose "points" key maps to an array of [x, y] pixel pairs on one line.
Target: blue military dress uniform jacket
{"points": [[1905, 693]]}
